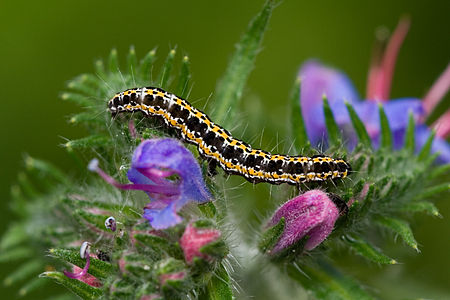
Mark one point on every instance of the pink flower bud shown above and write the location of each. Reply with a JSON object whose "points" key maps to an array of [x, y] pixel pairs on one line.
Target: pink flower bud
{"points": [[194, 239], [311, 214]]}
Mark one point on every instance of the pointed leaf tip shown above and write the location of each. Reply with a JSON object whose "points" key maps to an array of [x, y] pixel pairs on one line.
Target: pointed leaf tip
{"points": [[410, 132], [386, 133], [231, 86], [359, 126], [401, 228], [426, 149], [332, 127], [366, 250], [297, 124]]}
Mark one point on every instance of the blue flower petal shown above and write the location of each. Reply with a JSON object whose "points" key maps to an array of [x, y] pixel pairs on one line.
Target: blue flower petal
{"points": [[397, 112], [167, 156], [318, 80], [439, 145], [162, 218]]}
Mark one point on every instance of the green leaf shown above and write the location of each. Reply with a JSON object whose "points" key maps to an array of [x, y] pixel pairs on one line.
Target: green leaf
{"points": [[78, 99], [271, 236], [218, 287], [183, 78], [432, 191], [360, 129], [401, 228], [325, 282], [82, 84], [86, 117], [97, 221], [426, 149], [25, 270], [113, 61], [79, 288], [159, 244], [146, 65], [167, 69], [13, 236], [368, 201], [120, 208], [330, 122], [26, 186], [89, 141], [100, 68], [410, 134], [18, 201], [45, 169], [97, 268], [231, 86], [14, 254], [386, 134], [32, 285], [298, 129], [132, 61], [440, 170], [422, 206], [208, 209], [368, 251]]}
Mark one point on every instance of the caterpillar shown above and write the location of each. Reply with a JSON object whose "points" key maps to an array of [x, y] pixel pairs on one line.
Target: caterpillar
{"points": [[220, 148]]}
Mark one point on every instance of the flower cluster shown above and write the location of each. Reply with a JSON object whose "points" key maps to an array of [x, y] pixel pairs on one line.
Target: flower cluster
{"points": [[319, 80]]}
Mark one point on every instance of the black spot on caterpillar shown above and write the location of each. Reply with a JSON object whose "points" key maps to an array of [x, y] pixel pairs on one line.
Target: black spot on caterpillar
{"points": [[216, 143]]}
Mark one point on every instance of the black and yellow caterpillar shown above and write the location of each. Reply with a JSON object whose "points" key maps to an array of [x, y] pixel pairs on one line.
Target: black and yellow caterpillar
{"points": [[218, 146]]}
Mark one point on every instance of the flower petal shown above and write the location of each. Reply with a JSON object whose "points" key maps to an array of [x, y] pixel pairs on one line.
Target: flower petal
{"points": [[319, 80], [162, 216], [439, 145], [170, 154]]}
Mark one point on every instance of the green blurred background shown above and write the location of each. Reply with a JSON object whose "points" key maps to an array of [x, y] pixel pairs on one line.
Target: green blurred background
{"points": [[43, 44]]}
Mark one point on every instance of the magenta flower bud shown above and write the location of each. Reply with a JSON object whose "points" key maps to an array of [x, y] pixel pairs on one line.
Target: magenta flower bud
{"points": [[194, 239], [311, 214]]}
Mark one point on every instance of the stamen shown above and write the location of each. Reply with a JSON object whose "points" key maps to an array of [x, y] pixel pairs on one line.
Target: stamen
{"points": [[110, 223], [374, 77], [442, 126], [390, 57], [84, 253], [156, 175], [166, 189], [437, 91]]}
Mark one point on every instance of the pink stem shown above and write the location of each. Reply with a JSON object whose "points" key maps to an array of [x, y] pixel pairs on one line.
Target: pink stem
{"points": [[437, 91], [442, 126], [390, 57], [82, 273]]}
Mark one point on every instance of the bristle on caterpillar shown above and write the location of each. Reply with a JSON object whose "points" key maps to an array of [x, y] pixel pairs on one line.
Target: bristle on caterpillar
{"points": [[216, 143]]}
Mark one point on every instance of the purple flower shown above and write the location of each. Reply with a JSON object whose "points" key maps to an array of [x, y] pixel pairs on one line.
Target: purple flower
{"points": [[311, 214], [169, 174], [319, 80]]}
